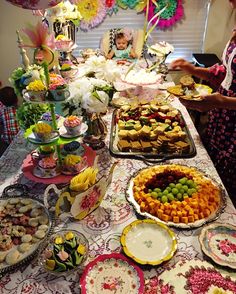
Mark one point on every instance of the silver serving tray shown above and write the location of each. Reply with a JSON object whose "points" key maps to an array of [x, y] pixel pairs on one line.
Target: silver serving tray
{"points": [[21, 191], [151, 157], [196, 224]]}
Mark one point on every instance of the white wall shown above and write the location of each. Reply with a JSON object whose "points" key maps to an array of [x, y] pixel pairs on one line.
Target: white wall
{"points": [[220, 25], [12, 18]]}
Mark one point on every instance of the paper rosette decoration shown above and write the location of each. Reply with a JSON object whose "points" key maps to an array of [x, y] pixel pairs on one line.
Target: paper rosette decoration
{"points": [[34, 4], [92, 12], [174, 12]]}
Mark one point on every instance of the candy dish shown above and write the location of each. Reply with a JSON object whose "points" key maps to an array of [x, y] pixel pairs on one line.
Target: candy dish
{"points": [[65, 252], [177, 195], [25, 224], [218, 241], [112, 273], [148, 242], [63, 132]]}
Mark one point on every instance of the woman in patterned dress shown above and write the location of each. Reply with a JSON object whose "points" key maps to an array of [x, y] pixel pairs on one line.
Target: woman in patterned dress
{"points": [[220, 139]]}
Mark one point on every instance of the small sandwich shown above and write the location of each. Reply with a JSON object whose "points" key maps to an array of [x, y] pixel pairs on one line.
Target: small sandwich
{"points": [[187, 82]]}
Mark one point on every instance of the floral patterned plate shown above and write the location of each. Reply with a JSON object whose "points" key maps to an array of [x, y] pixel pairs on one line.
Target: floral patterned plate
{"points": [[197, 277], [112, 273], [148, 242], [218, 241]]}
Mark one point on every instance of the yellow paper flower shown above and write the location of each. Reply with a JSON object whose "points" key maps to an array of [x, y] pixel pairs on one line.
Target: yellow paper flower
{"points": [[84, 180], [59, 240], [50, 264], [81, 249], [69, 236], [72, 159], [42, 128], [36, 85]]}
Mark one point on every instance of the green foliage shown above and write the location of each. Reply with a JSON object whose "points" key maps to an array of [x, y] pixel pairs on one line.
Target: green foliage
{"points": [[29, 113]]}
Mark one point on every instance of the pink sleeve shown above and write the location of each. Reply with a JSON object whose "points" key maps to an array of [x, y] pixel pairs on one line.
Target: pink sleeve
{"points": [[217, 75]]}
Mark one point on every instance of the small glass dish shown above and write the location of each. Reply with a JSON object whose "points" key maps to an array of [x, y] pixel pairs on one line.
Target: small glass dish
{"points": [[65, 252]]}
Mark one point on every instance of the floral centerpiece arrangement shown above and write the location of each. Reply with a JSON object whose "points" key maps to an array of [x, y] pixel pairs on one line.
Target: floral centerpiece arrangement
{"points": [[21, 78]]}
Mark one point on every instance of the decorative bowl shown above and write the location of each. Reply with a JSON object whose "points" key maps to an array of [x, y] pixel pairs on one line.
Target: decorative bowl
{"points": [[63, 253]]}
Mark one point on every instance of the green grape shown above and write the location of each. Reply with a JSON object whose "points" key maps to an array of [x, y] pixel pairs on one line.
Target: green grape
{"points": [[183, 181], [190, 192], [181, 191], [149, 190], [178, 186], [170, 197], [189, 183], [157, 190], [185, 187], [168, 189], [185, 194], [194, 190], [154, 194], [160, 194], [175, 191], [165, 192], [179, 196], [172, 185], [164, 199]]}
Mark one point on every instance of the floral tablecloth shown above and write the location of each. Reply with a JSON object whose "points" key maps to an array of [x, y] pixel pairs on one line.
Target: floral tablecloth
{"points": [[103, 227]]}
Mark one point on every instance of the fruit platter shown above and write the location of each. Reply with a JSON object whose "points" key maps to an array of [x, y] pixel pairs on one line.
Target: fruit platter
{"points": [[176, 195], [150, 131], [65, 252], [25, 225]]}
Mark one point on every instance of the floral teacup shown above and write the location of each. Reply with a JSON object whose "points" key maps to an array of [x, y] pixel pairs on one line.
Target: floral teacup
{"points": [[36, 96], [60, 94]]}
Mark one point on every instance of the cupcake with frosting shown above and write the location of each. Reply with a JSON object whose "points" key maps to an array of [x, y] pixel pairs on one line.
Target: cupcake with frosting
{"points": [[47, 118], [73, 164], [43, 132], [47, 166], [74, 148], [73, 125]]}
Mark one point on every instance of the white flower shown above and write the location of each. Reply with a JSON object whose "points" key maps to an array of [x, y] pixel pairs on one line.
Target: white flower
{"points": [[95, 102], [63, 11], [161, 49]]}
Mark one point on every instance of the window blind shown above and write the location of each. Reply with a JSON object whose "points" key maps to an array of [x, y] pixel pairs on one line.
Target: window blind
{"points": [[187, 36]]}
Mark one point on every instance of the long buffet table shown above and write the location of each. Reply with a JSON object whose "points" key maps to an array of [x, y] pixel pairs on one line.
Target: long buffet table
{"points": [[104, 226]]}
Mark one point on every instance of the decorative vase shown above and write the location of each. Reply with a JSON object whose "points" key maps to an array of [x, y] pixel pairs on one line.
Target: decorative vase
{"points": [[97, 130]]}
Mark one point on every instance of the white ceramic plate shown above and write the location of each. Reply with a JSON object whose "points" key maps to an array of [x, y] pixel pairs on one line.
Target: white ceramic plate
{"points": [[64, 134], [218, 241], [148, 242], [34, 140]]}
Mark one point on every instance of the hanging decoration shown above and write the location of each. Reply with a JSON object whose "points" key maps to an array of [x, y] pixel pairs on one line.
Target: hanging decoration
{"points": [[111, 7], [93, 13], [34, 4], [124, 4], [174, 12]]}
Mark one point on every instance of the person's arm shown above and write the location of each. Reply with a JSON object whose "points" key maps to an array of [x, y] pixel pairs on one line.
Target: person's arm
{"points": [[132, 53], [111, 54], [215, 100], [200, 72]]}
